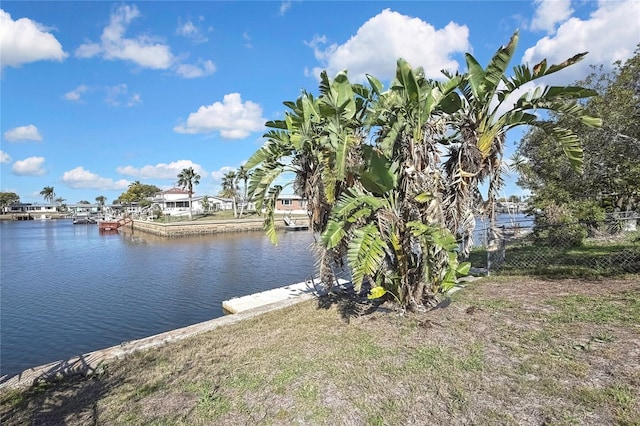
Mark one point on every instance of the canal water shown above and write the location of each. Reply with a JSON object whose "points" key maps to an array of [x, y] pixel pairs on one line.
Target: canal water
{"points": [[69, 289]]}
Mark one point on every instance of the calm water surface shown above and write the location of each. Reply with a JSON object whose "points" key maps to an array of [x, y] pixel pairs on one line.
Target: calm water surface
{"points": [[69, 289]]}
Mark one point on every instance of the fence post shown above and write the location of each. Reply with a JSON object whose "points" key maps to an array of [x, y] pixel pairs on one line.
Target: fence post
{"points": [[486, 242]]}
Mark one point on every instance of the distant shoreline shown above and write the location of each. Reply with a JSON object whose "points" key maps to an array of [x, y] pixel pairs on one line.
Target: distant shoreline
{"points": [[35, 216], [180, 228]]}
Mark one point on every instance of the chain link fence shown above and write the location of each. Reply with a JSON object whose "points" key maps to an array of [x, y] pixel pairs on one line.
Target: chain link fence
{"points": [[579, 249]]}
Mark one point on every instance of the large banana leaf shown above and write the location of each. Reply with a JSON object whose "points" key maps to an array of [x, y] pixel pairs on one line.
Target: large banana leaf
{"points": [[269, 221], [407, 79], [476, 78], [523, 75], [569, 142], [379, 174], [376, 86], [334, 233], [498, 64], [366, 253]]}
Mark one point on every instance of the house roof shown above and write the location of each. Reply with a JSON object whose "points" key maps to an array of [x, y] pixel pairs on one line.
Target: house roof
{"points": [[175, 191], [200, 197], [289, 197]]}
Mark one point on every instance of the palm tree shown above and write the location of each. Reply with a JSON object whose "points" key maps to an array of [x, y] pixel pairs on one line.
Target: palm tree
{"points": [[101, 200], [59, 201], [187, 178], [230, 189], [243, 175], [48, 194]]}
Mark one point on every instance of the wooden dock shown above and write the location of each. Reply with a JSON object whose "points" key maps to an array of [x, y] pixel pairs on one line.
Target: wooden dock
{"points": [[290, 224], [304, 290]]}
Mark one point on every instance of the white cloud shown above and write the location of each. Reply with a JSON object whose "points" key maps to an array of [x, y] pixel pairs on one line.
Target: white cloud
{"points": [[379, 42], [4, 157], [32, 166], [284, 6], [23, 41], [79, 178], [75, 94], [118, 95], [508, 103], [549, 13], [247, 40], [161, 170], [231, 117], [23, 133], [217, 175], [610, 33], [144, 51], [88, 50], [192, 31], [202, 69]]}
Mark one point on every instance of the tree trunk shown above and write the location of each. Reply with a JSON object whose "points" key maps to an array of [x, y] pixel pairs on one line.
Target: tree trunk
{"points": [[244, 200], [235, 208]]}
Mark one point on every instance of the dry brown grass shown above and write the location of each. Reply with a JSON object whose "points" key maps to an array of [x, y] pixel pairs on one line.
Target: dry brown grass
{"points": [[506, 351]]}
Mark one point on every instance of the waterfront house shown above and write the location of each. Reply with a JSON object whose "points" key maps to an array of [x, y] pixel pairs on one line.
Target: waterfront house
{"points": [[92, 209], [175, 202], [35, 209], [291, 203]]}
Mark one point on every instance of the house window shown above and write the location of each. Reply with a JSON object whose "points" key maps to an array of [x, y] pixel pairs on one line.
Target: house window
{"points": [[286, 202]]}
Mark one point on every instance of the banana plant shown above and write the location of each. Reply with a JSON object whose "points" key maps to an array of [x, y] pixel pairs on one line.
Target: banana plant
{"points": [[410, 260], [480, 127], [392, 176], [318, 142]]}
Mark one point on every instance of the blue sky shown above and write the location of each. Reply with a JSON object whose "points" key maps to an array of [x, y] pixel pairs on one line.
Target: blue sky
{"points": [[96, 94]]}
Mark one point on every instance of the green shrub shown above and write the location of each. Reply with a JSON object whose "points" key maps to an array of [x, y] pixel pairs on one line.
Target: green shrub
{"points": [[590, 214], [557, 226]]}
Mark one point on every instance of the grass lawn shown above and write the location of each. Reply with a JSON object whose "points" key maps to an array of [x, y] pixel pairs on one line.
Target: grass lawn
{"points": [[506, 350]]}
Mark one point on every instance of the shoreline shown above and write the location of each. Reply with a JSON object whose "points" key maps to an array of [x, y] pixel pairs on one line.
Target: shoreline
{"points": [[89, 363], [186, 228], [49, 367]]}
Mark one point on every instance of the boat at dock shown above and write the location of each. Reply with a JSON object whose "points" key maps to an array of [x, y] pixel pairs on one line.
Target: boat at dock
{"points": [[291, 225], [84, 220], [113, 224]]}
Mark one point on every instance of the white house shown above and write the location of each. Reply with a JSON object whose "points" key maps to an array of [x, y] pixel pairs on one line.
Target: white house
{"points": [[30, 208], [175, 202]]}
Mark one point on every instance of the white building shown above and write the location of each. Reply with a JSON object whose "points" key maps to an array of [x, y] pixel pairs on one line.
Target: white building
{"points": [[175, 202], [30, 208]]}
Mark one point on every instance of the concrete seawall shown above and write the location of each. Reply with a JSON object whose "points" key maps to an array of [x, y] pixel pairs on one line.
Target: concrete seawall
{"points": [[183, 229], [90, 363]]}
